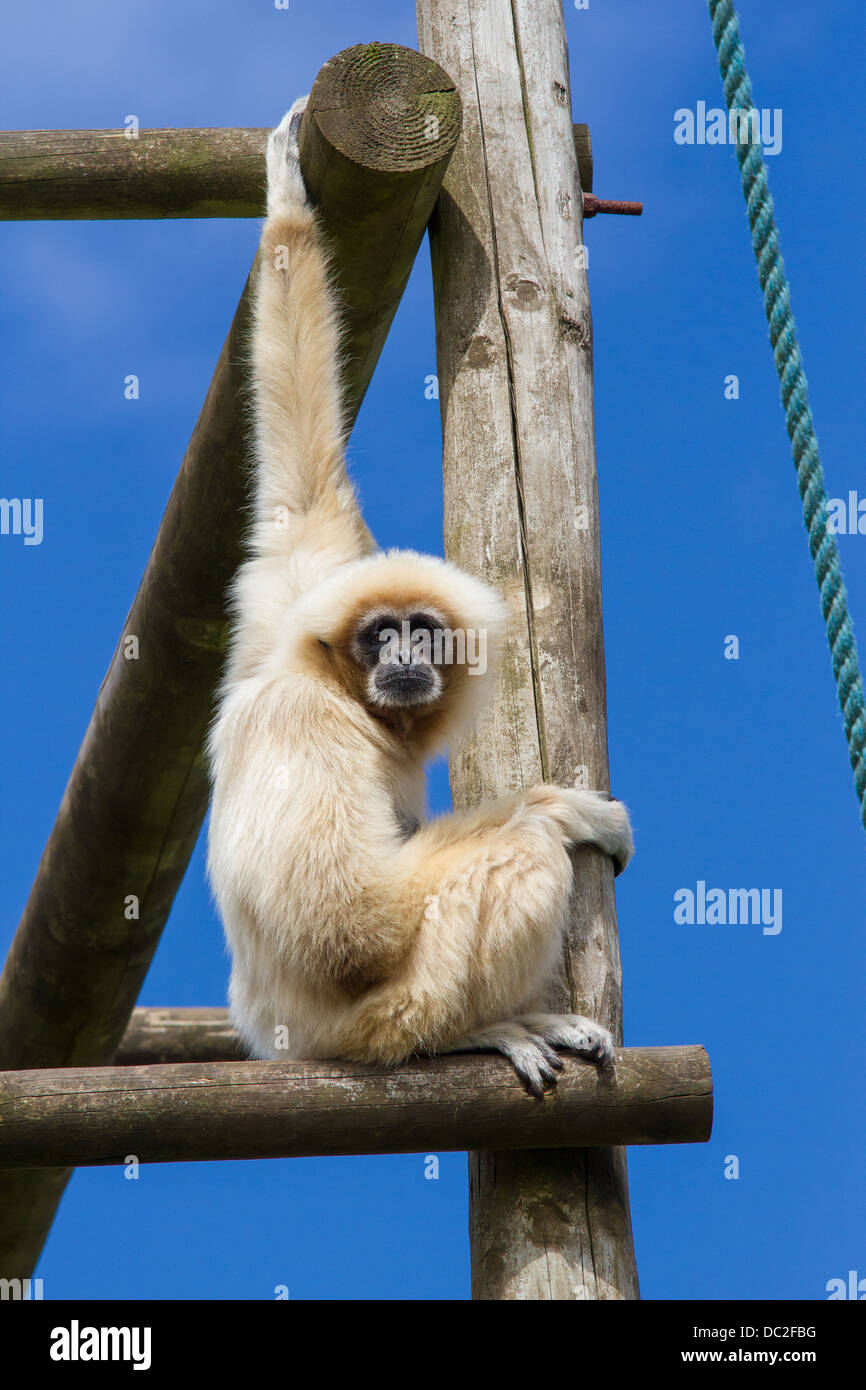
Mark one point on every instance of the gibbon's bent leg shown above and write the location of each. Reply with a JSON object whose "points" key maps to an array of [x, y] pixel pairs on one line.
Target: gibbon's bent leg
{"points": [[307, 522], [528, 1040], [490, 888]]}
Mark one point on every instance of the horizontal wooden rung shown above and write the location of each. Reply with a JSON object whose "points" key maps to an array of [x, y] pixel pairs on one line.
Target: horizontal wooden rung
{"points": [[162, 1034], [132, 173], [200, 1111], [392, 110]]}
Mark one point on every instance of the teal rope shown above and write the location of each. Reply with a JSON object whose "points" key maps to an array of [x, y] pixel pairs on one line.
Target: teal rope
{"points": [[795, 395]]}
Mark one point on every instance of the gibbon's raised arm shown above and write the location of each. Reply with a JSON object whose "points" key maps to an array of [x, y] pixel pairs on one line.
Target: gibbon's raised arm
{"points": [[307, 521]]}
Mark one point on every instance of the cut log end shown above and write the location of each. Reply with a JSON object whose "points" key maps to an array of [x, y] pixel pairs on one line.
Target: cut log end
{"points": [[385, 108]]}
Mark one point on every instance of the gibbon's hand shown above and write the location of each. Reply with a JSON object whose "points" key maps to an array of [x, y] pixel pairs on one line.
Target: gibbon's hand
{"points": [[611, 825], [588, 817], [283, 161], [624, 853]]}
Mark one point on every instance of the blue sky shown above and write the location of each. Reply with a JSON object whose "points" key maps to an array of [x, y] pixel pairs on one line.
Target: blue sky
{"points": [[736, 772]]}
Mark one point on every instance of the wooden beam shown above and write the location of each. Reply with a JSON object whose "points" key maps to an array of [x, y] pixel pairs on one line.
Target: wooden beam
{"points": [[583, 150], [121, 843], [158, 1036], [514, 346], [75, 174], [86, 174], [196, 1112]]}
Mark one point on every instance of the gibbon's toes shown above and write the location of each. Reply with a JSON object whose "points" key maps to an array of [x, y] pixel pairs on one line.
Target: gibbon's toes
{"points": [[534, 1061], [529, 1053], [602, 1051], [592, 1041], [574, 1032], [552, 1057], [535, 1073]]}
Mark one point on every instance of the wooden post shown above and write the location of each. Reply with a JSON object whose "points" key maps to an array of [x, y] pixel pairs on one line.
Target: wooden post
{"points": [[201, 1111], [514, 345], [77, 961]]}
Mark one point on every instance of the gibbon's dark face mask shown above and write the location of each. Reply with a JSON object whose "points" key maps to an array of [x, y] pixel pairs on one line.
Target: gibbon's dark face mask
{"points": [[398, 652]]}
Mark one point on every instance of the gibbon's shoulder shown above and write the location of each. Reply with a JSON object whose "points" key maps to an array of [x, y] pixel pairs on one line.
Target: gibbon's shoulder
{"points": [[289, 708]]}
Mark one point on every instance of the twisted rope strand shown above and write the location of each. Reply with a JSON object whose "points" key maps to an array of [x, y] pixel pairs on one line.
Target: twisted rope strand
{"points": [[795, 392]]}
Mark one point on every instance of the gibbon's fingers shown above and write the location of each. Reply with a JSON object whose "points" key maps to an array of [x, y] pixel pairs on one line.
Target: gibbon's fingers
{"points": [[619, 862], [283, 161], [587, 817], [603, 820]]}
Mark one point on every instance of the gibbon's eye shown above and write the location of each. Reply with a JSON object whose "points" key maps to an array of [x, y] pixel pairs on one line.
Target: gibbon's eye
{"points": [[376, 636], [422, 623], [424, 628]]}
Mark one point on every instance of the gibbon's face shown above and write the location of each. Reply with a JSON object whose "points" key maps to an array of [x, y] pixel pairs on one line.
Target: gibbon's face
{"points": [[402, 655], [410, 638]]}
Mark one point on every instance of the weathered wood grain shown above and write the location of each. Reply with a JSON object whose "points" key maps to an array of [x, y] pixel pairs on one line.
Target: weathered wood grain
{"points": [[375, 105], [75, 174], [158, 1036], [231, 1110], [514, 345]]}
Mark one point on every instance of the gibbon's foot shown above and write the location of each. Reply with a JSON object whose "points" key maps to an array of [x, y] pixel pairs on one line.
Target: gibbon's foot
{"points": [[533, 1059], [527, 1043], [574, 1032], [283, 162]]}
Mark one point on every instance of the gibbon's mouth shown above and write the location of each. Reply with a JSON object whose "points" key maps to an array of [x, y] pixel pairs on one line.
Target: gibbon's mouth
{"points": [[405, 685]]}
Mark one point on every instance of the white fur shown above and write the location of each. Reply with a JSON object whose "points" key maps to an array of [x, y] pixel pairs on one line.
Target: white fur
{"points": [[358, 938]]}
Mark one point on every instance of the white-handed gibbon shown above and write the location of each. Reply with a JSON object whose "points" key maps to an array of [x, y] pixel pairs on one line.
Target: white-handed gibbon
{"points": [[357, 930]]}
